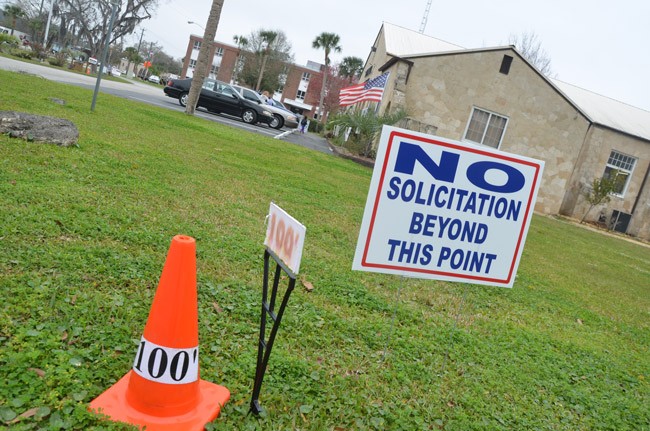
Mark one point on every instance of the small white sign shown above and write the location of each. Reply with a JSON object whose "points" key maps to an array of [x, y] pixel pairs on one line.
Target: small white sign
{"points": [[285, 236], [165, 364], [446, 210]]}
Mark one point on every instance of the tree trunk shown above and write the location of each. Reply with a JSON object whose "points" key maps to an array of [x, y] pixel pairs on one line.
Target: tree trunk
{"points": [[321, 114], [205, 56], [259, 79], [585, 216]]}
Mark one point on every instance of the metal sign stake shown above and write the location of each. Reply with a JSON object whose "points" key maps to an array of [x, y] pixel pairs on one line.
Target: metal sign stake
{"points": [[268, 312]]}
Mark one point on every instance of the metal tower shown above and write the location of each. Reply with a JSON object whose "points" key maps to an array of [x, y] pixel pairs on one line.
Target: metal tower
{"points": [[425, 17]]}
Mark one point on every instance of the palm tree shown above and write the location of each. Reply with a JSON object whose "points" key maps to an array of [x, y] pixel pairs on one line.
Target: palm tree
{"points": [[14, 12], [205, 56], [351, 67], [328, 42], [242, 42], [365, 127], [268, 37], [133, 56]]}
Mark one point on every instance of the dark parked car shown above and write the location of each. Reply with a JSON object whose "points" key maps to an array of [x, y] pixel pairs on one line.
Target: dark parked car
{"points": [[219, 97]]}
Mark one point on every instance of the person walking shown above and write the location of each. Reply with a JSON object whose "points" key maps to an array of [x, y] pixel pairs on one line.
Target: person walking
{"points": [[266, 97], [304, 123]]}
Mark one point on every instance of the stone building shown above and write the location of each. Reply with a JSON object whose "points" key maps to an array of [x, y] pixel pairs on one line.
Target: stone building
{"points": [[493, 96], [296, 93]]}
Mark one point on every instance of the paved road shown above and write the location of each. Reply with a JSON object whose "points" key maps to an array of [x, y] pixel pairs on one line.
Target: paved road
{"points": [[153, 95]]}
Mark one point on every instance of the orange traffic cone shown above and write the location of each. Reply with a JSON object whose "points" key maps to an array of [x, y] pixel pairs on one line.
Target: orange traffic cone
{"points": [[163, 390]]}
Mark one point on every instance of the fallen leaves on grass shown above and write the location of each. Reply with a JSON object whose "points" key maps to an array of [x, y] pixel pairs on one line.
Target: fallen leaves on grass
{"points": [[38, 371], [308, 286]]}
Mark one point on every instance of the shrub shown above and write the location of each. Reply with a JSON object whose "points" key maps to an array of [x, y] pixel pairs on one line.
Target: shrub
{"points": [[59, 59], [599, 191], [39, 50], [8, 42], [23, 53], [315, 126], [365, 127]]}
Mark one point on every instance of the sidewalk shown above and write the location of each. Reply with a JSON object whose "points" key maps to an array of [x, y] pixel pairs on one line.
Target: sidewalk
{"points": [[309, 140], [319, 143]]}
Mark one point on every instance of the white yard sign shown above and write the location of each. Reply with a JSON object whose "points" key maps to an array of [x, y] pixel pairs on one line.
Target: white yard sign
{"points": [[285, 236], [446, 210]]}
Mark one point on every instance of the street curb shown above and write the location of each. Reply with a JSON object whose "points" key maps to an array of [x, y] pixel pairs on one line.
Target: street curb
{"points": [[283, 134], [342, 152]]}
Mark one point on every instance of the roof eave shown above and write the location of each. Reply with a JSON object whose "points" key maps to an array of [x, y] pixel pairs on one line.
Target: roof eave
{"points": [[513, 49]]}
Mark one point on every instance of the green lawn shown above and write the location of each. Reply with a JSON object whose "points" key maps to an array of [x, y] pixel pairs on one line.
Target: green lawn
{"points": [[84, 233]]}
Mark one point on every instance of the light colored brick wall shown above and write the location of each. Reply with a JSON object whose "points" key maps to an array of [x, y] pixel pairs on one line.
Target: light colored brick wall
{"points": [[442, 90], [600, 143], [640, 224], [375, 59]]}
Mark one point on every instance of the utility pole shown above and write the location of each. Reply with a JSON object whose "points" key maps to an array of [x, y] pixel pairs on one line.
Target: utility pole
{"points": [[140, 43], [40, 17], [150, 59], [47, 26], [128, 65]]}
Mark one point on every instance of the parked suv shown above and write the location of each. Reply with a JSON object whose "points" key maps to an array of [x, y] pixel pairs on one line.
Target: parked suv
{"points": [[219, 97], [282, 117]]}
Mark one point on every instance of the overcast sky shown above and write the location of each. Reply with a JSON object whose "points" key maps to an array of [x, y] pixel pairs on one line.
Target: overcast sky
{"points": [[600, 45]]}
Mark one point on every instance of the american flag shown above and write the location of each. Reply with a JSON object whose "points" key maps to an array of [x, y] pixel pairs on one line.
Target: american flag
{"points": [[370, 90]]}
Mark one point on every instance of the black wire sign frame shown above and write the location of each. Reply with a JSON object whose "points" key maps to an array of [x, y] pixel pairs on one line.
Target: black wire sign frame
{"points": [[269, 314]]}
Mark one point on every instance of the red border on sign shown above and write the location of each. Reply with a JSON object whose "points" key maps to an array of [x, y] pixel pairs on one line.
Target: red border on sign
{"points": [[391, 137]]}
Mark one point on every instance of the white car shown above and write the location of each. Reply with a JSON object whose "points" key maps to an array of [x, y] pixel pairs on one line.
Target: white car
{"points": [[282, 117], [154, 78]]}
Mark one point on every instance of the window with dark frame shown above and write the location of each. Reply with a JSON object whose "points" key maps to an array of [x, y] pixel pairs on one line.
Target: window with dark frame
{"points": [[505, 64]]}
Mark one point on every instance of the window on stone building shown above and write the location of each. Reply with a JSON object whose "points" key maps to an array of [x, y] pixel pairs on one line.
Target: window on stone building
{"points": [[192, 63], [197, 44], [486, 128], [621, 166], [214, 69], [218, 52], [306, 76], [300, 95]]}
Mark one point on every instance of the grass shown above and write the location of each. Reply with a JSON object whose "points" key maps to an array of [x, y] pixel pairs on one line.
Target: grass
{"points": [[84, 233]]}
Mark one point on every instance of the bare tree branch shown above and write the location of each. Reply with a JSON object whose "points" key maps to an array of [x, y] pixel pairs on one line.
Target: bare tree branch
{"points": [[88, 20], [530, 47]]}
